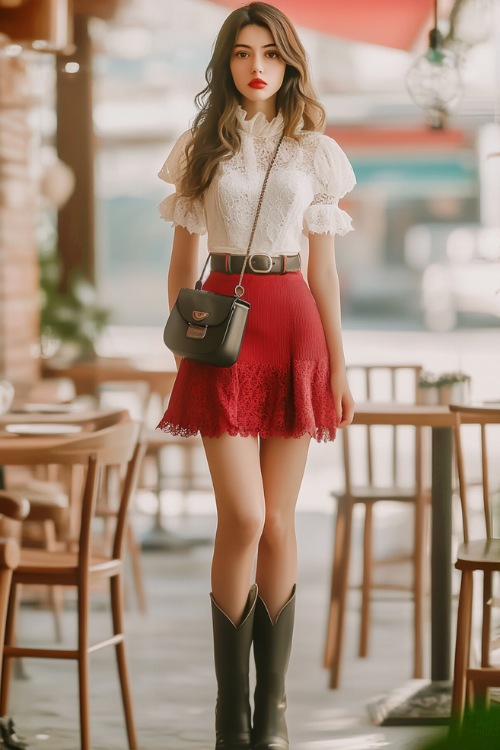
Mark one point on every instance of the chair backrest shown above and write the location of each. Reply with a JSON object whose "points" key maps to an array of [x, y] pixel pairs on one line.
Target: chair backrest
{"points": [[477, 445], [120, 445], [400, 446], [111, 445]]}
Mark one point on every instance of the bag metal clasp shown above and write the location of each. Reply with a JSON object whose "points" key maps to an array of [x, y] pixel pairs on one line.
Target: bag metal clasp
{"points": [[196, 332]]}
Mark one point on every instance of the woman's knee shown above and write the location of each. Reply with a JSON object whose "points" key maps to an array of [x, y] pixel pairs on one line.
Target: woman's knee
{"points": [[240, 527], [279, 528]]}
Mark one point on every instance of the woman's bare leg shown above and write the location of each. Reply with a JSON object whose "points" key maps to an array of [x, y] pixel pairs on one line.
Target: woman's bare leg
{"points": [[236, 476], [282, 463]]}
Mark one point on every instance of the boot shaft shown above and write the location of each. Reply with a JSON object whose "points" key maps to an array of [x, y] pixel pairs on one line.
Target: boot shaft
{"points": [[232, 643], [232, 655], [272, 648]]}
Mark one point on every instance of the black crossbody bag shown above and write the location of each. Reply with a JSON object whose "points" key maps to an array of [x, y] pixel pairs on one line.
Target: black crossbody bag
{"points": [[208, 327]]}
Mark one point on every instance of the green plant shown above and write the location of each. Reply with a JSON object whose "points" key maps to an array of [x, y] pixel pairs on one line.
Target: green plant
{"points": [[480, 731], [74, 316], [429, 380]]}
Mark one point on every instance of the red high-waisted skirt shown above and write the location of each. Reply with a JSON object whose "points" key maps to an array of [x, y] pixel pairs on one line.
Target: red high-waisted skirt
{"points": [[280, 385]]}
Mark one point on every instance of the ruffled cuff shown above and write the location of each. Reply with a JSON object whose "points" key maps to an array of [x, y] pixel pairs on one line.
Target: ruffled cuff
{"points": [[327, 218], [184, 212], [167, 207]]}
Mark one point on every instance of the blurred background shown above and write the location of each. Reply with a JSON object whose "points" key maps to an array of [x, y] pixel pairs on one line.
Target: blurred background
{"points": [[94, 93]]}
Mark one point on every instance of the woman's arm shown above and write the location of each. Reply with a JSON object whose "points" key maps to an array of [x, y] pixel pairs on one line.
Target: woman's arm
{"points": [[183, 269], [323, 281]]}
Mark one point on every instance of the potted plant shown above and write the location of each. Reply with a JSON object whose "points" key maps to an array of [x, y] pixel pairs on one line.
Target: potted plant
{"points": [[72, 321], [446, 388]]}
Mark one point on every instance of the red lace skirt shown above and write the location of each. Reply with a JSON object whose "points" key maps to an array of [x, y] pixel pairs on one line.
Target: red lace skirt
{"points": [[280, 385]]}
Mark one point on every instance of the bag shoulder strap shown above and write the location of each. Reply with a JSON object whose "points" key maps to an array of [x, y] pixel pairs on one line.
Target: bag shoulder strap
{"points": [[239, 290]]}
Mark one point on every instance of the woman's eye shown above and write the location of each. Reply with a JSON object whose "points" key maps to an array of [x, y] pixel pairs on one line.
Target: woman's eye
{"points": [[273, 55], [242, 54]]}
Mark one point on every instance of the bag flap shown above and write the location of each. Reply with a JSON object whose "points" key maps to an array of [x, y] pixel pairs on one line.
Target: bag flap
{"points": [[204, 308]]}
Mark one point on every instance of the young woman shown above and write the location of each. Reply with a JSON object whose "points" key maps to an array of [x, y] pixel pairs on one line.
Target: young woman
{"points": [[289, 384]]}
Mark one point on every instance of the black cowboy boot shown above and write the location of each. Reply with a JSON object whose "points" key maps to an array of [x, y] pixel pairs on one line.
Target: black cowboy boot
{"points": [[272, 644], [232, 655]]}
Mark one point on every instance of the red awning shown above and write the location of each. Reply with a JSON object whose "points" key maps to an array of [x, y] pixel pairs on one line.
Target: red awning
{"points": [[409, 139], [390, 23]]}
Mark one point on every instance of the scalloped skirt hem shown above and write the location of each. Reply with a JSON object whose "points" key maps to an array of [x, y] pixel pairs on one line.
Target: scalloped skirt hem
{"points": [[319, 434], [280, 385]]}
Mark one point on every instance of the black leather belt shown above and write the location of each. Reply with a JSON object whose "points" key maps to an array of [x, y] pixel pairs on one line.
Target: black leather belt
{"points": [[257, 263]]}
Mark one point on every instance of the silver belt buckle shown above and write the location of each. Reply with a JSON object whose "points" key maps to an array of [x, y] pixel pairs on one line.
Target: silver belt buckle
{"points": [[261, 255]]}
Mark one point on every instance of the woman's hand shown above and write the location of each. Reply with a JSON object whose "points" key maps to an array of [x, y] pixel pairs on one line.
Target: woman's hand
{"points": [[342, 398]]}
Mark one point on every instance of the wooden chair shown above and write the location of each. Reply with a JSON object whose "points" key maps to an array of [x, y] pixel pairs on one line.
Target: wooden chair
{"points": [[53, 521], [134, 396], [13, 510], [116, 445], [47, 487], [375, 383], [16, 507], [480, 553]]}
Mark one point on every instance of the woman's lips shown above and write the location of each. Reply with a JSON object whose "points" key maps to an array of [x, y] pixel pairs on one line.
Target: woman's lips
{"points": [[257, 83]]}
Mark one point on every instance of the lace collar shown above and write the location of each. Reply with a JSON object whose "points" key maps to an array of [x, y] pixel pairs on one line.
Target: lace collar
{"points": [[259, 125]]}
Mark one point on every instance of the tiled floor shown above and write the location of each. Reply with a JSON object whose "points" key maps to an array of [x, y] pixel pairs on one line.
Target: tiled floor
{"points": [[171, 663]]}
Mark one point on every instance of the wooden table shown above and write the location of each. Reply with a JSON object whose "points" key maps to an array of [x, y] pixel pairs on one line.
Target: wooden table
{"points": [[430, 704], [89, 374], [88, 420]]}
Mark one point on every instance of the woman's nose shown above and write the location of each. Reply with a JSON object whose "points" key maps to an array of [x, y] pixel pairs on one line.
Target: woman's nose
{"points": [[257, 66]]}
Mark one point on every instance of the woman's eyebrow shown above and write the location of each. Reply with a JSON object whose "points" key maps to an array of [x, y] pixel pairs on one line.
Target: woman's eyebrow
{"points": [[247, 46]]}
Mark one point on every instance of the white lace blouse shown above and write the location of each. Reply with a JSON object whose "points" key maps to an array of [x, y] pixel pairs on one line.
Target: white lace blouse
{"points": [[305, 184]]}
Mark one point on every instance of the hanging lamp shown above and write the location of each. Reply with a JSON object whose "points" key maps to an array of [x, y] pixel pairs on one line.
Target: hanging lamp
{"points": [[433, 80]]}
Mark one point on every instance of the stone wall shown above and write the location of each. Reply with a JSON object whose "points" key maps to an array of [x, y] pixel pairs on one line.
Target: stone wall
{"points": [[19, 303]]}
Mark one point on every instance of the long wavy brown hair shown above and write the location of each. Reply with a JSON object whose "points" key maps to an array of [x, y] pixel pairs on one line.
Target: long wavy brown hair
{"points": [[214, 133]]}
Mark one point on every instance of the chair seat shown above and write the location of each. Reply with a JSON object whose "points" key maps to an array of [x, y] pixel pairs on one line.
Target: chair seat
{"points": [[62, 566], [480, 554], [376, 494]]}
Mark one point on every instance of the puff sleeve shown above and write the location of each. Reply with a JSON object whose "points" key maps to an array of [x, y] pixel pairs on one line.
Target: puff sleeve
{"points": [[333, 178], [181, 211]]}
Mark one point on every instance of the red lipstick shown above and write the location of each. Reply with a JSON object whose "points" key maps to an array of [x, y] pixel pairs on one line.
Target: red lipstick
{"points": [[257, 83]]}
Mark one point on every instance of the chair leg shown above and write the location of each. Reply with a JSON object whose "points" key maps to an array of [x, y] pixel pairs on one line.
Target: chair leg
{"points": [[56, 596], [366, 585], [56, 593], [135, 559], [486, 628], [9, 640], [480, 695], [121, 659], [469, 686], [419, 586], [83, 668], [339, 589], [337, 556], [462, 647]]}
